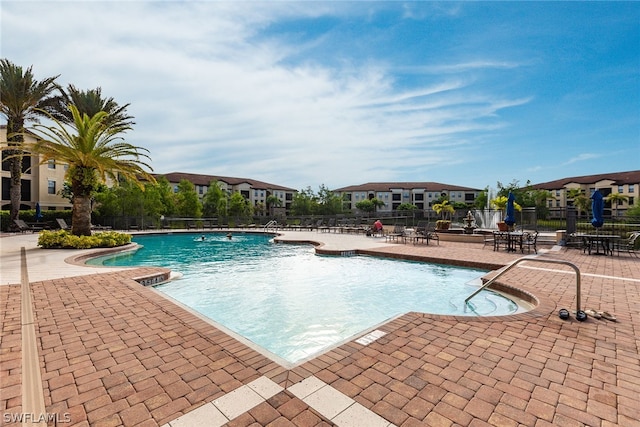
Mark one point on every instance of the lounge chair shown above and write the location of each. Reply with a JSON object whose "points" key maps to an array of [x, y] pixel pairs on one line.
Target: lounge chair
{"points": [[63, 224], [629, 245], [23, 226]]}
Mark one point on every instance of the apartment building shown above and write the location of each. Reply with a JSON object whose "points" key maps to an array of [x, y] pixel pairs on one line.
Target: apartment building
{"points": [[627, 184], [393, 194], [39, 183], [253, 190]]}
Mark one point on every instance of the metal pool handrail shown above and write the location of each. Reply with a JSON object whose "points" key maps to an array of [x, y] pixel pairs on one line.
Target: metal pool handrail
{"points": [[272, 223], [514, 263]]}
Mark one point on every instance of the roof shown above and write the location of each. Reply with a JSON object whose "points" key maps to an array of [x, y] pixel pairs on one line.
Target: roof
{"points": [[199, 179], [618, 178], [388, 186]]}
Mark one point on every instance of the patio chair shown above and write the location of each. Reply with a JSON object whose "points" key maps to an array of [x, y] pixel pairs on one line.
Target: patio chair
{"points": [[398, 231], [629, 245], [23, 226], [529, 240], [489, 239], [63, 224], [421, 232]]}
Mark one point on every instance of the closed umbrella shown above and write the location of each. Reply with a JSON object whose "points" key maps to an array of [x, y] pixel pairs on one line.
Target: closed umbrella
{"points": [[510, 219], [597, 209], [38, 212]]}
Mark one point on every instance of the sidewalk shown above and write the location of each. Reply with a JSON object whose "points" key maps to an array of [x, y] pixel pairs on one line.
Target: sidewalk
{"points": [[113, 352]]}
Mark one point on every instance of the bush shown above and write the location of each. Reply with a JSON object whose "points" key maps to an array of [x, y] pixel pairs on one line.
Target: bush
{"points": [[62, 239]]}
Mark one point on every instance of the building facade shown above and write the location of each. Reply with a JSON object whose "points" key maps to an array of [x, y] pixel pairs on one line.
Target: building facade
{"points": [[421, 194], [39, 183], [626, 184], [253, 190]]}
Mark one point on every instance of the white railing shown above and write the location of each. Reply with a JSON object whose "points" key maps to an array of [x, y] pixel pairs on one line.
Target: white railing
{"points": [[514, 263], [271, 224]]}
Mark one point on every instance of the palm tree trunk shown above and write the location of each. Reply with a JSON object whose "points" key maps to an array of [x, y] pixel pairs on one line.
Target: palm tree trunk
{"points": [[81, 219], [15, 191], [14, 141]]}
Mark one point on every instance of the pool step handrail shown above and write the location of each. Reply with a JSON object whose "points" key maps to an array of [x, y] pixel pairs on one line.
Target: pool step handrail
{"points": [[272, 223], [531, 258]]}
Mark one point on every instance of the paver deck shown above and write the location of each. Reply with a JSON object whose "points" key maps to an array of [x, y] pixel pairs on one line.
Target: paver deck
{"points": [[113, 352]]}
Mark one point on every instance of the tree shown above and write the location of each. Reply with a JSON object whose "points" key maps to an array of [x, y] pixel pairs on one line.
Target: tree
{"points": [[329, 203], [94, 151], [167, 196], [500, 203], [366, 205], [443, 208], [616, 199], [581, 203], [127, 198], [272, 201], [239, 206], [634, 211], [214, 201], [22, 99], [406, 207], [482, 200], [90, 102], [187, 200], [304, 202]]}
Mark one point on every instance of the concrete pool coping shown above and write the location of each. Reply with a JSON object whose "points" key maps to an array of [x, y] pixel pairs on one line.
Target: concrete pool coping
{"points": [[426, 369]]}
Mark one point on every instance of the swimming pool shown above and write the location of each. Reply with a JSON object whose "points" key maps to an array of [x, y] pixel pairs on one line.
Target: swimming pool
{"points": [[294, 303]]}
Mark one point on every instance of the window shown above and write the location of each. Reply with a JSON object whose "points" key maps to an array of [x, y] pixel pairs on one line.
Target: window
{"points": [[26, 162], [51, 187], [631, 202], [631, 187], [620, 188], [51, 164], [418, 196], [557, 193]]}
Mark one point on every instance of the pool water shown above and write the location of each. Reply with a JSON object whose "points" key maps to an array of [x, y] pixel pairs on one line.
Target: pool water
{"points": [[294, 303]]}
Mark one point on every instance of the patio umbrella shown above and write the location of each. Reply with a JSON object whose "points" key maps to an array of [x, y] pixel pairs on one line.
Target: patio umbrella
{"points": [[597, 209], [510, 219], [38, 212]]}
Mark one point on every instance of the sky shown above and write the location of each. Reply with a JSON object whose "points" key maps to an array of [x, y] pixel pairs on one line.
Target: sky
{"points": [[334, 93]]}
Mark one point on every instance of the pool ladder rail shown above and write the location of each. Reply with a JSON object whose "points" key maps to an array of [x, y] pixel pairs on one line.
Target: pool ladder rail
{"points": [[534, 259], [271, 224]]}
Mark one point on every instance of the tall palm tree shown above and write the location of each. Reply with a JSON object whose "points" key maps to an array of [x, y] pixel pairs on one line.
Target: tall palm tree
{"points": [[93, 154], [22, 98], [90, 102]]}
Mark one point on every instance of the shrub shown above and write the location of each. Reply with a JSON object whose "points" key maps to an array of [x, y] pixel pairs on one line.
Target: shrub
{"points": [[62, 239]]}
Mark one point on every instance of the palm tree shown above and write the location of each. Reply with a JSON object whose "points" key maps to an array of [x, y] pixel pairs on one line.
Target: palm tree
{"points": [[90, 102], [615, 199], [93, 154], [443, 208], [272, 201], [21, 99]]}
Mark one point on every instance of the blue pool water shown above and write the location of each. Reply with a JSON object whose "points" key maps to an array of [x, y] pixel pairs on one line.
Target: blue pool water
{"points": [[294, 303]]}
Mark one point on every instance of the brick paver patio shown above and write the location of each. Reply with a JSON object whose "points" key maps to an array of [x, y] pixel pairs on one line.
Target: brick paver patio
{"points": [[113, 352]]}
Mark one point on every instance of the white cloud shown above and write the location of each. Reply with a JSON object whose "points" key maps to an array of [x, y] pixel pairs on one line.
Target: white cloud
{"points": [[216, 88], [582, 157]]}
